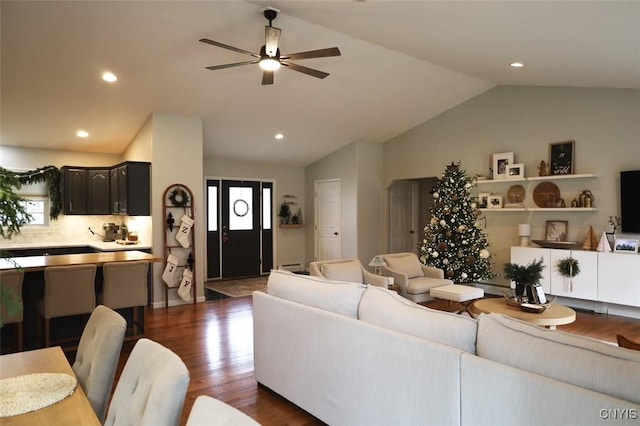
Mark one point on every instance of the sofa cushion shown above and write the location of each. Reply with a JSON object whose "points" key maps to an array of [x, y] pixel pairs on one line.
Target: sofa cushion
{"points": [[387, 309], [350, 271], [409, 265], [576, 360], [335, 296]]}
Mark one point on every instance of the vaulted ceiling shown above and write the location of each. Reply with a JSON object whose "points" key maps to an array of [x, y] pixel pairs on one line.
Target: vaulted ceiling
{"points": [[402, 63]]}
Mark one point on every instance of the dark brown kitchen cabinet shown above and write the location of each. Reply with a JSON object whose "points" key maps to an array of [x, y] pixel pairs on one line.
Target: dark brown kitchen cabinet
{"points": [[121, 189], [74, 180], [98, 191], [130, 184]]}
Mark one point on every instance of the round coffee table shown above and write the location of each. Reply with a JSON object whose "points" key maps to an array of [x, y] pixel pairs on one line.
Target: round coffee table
{"points": [[554, 315]]}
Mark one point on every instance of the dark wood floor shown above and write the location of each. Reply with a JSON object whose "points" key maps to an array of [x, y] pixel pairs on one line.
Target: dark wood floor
{"points": [[215, 340]]}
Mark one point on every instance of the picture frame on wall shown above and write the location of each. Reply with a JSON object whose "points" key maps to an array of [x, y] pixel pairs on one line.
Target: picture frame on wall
{"points": [[625, 246], [499, 163], [495, 202], [483, 200], [562, 158], [556, 230], [515, 171]]}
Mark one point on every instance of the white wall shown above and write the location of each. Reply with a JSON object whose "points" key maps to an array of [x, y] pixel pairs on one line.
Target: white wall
{"points": [[177, 158], [371, 191], [604, 123], [338, 165], [289, 243]]}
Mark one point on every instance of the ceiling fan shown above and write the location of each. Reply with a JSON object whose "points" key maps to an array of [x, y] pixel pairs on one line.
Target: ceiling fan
{"points": [[270, 58]]}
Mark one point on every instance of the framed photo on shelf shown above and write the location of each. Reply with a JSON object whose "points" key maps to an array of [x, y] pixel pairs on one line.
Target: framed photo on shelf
{"points": [[483, 200], [562, 158], [625, 246], [556, 230], [499, 164], [495, 202], [515, 171]]}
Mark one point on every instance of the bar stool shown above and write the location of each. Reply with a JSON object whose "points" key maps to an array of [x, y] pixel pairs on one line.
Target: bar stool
{"points": [[11, 287], [125, 286], [68, 290]]}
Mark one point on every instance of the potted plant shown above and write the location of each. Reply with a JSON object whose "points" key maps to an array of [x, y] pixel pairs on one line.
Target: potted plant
{"points": [[285, 212], [569, 267], [526, 277]]}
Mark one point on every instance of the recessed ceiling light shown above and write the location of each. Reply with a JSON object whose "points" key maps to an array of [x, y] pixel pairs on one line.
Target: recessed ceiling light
{"points": [[279, 136], [109, 77], [82, 134], [516, 64]]}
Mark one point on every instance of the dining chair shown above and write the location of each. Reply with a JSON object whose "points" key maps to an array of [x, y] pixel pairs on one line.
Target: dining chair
{"points": [[151, 389], [68, 290], [97, 356], [11, 308], [125, 286], [206, 408]]}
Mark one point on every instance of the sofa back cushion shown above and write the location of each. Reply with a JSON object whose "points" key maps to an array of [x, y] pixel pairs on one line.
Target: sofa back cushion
{"points": [[335, 296], [572, 359], [408, 264], [349, 271], [387, 309]]}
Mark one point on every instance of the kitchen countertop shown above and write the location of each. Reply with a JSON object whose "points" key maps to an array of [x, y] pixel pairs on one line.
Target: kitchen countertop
{"points": [[98, 245]]}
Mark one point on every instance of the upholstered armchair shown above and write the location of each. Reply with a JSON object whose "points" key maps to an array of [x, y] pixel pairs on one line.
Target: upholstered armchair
{"points": [[413, 279], [350, 270]]}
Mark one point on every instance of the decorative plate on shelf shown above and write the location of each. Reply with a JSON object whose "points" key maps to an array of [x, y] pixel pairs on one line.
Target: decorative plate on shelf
{"points": [[546, 194], [515, 194]]}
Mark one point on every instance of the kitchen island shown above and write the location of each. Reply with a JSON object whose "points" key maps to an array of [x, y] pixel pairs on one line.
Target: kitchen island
{"points": [[33, 286]]}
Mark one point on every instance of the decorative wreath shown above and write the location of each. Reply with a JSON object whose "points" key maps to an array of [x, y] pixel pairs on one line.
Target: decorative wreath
{"points": [[179, 197], [245, 208]]}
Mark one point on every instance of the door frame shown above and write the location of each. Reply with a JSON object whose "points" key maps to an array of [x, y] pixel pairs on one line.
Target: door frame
{"points": [[219, 216]]}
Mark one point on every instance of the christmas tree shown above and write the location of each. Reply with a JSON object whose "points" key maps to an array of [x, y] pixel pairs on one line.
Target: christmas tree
{"points": [[453, 242]]}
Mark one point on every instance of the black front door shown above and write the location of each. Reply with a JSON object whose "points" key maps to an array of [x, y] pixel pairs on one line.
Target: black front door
{"points": [[239, 228]]}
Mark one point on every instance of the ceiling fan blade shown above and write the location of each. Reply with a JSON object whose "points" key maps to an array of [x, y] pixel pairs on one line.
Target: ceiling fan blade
{"points": [[236, 64], [267, 77], [305, 70], [226, 46], [321, 53], [271, 40]]}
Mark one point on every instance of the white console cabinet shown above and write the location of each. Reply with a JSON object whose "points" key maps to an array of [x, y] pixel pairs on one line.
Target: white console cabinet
{"points": [[604, 277], [619, 278]]}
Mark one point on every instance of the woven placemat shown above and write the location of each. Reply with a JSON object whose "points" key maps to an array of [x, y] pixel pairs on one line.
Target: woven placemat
{"points": [[30, 392]]}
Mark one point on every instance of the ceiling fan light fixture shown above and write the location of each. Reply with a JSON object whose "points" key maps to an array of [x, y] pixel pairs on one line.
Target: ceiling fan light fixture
{"points": [[269, 64]]}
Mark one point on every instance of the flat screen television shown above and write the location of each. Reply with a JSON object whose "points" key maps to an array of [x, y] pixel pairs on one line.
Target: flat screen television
{"points": [[630, 201]]}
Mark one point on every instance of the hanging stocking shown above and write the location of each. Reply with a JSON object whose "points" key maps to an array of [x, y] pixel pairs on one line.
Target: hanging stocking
{"points": [[185, 231], [171, 271], [185, 285]]}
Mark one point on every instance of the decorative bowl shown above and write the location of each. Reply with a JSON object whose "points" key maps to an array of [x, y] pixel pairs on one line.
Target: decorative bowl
{"points": [[566, 245]]}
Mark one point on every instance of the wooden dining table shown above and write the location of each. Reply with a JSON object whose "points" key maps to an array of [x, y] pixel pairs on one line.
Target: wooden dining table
{"points": [[72, 410]]}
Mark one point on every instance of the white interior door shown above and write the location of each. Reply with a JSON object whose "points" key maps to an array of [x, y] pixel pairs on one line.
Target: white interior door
{"points": [[327, 213], [403, 217]]}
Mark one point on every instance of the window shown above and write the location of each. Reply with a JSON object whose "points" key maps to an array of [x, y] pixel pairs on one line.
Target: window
{"points": [[38, 208]]}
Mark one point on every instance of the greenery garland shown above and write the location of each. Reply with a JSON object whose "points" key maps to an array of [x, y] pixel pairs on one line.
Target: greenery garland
{"points": [[12, 215]]}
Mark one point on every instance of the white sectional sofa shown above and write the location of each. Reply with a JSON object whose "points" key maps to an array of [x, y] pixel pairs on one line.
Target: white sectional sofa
{"points": [[352, 354]]}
